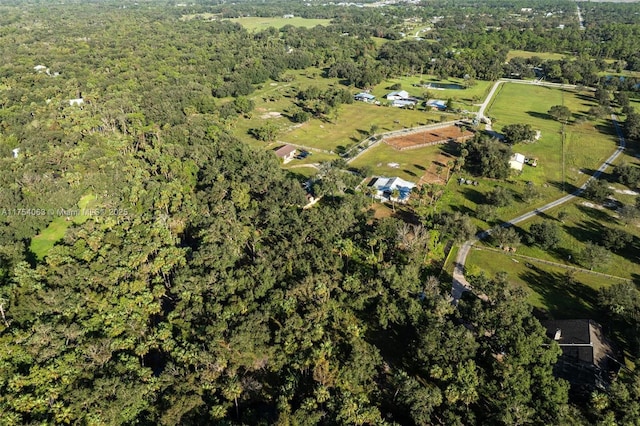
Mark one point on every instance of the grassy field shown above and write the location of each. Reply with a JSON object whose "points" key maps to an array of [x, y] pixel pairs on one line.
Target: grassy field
{"points": [[547, 56], [556, 291], [257, 23], [43, 242], [353, 124], [412, 163], [587, 145]]}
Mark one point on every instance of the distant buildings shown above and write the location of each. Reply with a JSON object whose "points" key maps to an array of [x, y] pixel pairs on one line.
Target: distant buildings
{"points": [[403, 103]]}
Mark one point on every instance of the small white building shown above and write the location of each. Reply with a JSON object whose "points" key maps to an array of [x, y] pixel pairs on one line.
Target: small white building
{"points": [[286, 152], [517, 161], [76, 102], [15, 152], [39, 68]]}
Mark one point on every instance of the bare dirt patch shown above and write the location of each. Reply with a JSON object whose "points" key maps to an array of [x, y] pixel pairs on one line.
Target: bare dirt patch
{"points": [[438, 170], [272, 114], [429, 137]]}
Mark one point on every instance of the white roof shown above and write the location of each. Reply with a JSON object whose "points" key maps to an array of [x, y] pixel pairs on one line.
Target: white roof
{"points": [[517, 161], [518, 158], [365, 95], [385, 184], [78, 101], [398, 94]]}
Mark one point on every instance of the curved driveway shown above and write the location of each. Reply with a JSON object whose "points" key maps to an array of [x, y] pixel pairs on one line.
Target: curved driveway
{"points": [[460, 284]]}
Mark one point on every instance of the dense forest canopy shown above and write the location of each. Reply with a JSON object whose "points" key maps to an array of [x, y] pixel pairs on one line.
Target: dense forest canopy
{"points": [[199, 291]]}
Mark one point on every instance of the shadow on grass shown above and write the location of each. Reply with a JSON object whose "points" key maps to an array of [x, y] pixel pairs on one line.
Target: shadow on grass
{"points": [[409, 172], [597, 215], [566, 187], [473, 195], [589, 230], [607, 130], [564, 296], [541, 115], [463, 210], [419, 167]]}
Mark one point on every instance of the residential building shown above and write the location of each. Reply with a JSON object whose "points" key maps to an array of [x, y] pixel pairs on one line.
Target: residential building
{"points": [[286, 152], [384, 187], [588, 359], [364, 97]]}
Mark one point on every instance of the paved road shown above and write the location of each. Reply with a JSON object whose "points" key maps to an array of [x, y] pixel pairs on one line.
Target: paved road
{"points": [[580, 20], [460, 283]]}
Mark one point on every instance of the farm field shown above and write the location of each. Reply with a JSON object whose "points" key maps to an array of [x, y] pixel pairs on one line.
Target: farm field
{"points": [[587, 143], [350, 125], [416, 139], [257, 23]]}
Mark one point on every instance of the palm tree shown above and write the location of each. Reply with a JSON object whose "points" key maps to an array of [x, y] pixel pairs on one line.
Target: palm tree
{"points": [[395, 194]]}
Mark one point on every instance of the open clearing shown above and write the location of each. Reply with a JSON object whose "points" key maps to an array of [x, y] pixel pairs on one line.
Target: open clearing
{"points": [[257, 23], [45, 240], [353, 123], [547, 56]]}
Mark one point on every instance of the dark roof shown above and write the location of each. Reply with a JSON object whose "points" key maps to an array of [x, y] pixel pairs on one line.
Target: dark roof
{"points": [[285, 150], [580, 339]]}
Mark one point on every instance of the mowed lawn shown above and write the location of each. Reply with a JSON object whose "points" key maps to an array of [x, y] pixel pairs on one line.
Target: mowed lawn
{"points": [[587, 145], [554, 290], [257, 23], [412, 163]]}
